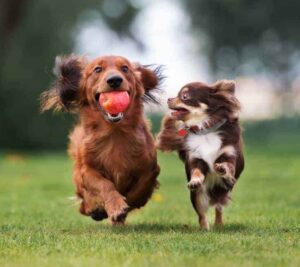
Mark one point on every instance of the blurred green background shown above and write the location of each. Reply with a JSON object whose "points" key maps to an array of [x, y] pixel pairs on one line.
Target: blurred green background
{"points": [[241, 39]]}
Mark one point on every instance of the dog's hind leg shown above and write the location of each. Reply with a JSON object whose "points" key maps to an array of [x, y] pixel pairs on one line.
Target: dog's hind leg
{"points": [[218, 215], [196, 171], [200, 203], [139, 195]]}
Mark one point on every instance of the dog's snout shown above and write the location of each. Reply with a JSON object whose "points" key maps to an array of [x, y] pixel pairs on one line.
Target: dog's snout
{"points": [[170, 99], [114, 81]]}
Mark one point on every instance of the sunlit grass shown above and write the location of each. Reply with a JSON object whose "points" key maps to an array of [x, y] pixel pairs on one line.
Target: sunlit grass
{"points": [[40, 227]]}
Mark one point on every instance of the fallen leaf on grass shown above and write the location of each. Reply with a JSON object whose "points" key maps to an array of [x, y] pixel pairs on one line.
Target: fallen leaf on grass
{"points": [[157, 197]]}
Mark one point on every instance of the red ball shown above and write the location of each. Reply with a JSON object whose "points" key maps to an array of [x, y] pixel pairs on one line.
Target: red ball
{"points": [[114, 102]]}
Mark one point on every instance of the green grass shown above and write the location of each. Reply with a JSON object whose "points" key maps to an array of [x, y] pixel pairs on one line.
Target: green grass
{"points": [[40, 227]]}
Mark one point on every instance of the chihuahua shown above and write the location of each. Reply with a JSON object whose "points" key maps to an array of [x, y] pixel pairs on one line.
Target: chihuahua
{"points": [[204, 129]]}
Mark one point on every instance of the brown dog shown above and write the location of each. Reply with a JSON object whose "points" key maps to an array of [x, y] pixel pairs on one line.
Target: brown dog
{"points": [[212, 146], [115, 164]]}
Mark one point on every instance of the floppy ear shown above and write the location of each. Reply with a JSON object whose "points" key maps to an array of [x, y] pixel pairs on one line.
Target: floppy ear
{"points": [[226, 86], [65, 92], [151, 77]]}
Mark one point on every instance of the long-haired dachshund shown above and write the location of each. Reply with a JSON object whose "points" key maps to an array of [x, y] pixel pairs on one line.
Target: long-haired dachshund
{"points": [[204, 129], [115, 164]]}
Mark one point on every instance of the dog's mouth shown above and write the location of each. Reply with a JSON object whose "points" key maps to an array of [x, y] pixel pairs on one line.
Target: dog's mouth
{"points": [[178, 111], [111, 117]]}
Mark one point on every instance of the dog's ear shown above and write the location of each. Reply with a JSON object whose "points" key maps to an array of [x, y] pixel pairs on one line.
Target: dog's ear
{"points": [[225, 90], [64, 94], [151, 77], [226, 86]]}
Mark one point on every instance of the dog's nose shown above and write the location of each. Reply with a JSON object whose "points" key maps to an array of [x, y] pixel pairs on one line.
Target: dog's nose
{"points": [[114, 81], [170, 99], [98, 215]]}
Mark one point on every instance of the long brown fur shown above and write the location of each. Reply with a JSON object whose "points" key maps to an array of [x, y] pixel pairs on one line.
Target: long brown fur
{"points": [[115, 165]]}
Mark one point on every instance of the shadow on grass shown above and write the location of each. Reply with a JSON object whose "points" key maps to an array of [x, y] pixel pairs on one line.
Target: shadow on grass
{"points": [[163, 228], [155, 229], [160, 228]]}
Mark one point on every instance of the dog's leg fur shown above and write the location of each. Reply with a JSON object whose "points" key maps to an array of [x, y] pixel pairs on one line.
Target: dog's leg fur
{"points": [[225, 166], [200, 204], [197, 179], [136, 197], [91, 206], [88, 202], [104, 195], [218, 215], [196, 172], [168, 139], [77, 180]]}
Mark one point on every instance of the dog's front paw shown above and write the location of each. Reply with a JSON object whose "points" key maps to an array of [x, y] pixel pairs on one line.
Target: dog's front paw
{"points": [[221, 169], [194, 183], [117, 209], [119, 216]]}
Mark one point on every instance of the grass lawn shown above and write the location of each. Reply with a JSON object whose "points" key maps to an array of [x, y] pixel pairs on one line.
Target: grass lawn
{"points": [[40, 227]]}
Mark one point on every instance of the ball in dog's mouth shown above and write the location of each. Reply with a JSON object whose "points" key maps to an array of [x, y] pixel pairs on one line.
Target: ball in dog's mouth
{"points": [[114, 104]]}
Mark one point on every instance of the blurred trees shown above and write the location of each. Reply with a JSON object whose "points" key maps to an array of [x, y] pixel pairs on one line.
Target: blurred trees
{"points": [[10, 16], [32, 33], [249, 37], [240, 37]]}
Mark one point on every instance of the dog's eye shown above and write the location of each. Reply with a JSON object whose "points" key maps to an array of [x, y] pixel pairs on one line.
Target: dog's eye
{"points": [[98, 69], [124, 69], [185, 96]]}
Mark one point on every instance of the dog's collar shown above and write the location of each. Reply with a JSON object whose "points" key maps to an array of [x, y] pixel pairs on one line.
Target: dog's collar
{"points": [[185, 130], [212, 129]]}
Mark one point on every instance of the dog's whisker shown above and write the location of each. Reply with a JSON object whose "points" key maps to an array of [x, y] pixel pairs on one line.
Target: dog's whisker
{"points": [[76, 203], [76, 200], [72, 198]]}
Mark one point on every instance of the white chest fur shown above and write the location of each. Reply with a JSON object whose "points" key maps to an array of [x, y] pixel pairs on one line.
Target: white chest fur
{"points": [[206, 147]]}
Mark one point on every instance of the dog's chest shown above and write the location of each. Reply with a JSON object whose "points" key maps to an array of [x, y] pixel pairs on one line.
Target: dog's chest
{"points": [[206, 147]]}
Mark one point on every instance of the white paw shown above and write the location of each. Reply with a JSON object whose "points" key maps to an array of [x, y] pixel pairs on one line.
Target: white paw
{"points": [[204, 224], [194, 183]]}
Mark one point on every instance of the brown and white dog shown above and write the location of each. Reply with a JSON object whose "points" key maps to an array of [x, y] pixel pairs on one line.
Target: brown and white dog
{"points": [[115, 164], [212, 146]]}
